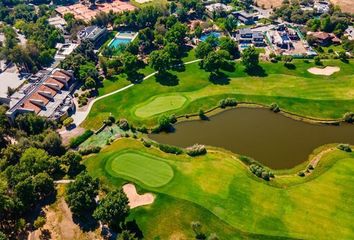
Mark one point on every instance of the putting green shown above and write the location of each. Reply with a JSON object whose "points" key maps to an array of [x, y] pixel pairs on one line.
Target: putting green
{"points": [[145, 168], [159, 105]]}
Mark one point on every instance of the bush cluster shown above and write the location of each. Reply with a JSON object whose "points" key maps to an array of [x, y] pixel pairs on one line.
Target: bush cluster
{"points": [[89, 150], [344, 147], [146, 142], [261, 172], [67, 122], [83, 98], [274, 107], [228, 102], [196, 150], [301, 174], [170, 149], [349, 117], [123, 124], [75, 142]]}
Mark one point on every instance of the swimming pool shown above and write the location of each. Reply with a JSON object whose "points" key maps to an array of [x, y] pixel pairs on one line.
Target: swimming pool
{"points": [[209, 34], [122, 38]]}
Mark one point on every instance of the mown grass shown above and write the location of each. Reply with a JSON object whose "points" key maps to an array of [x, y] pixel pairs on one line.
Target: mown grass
{"points": [[295, 90], [146, 168], [220, 184]]}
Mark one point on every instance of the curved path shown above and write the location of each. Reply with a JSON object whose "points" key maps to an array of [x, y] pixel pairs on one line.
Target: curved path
{"points": [[80, 116]]}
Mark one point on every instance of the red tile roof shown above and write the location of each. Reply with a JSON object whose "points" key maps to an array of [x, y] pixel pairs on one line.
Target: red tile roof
{"points": [[38, 97], [28, 105], [62, 74], [52, 80], [47, 89]]}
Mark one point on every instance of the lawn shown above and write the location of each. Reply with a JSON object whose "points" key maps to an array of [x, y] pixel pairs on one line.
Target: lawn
{"points": [[294, 90], [144, 168], [219, 186]]}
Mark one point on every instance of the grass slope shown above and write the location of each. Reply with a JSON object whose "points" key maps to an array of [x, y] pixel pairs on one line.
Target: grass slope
{"points": [[220, 183], [296, 91]]}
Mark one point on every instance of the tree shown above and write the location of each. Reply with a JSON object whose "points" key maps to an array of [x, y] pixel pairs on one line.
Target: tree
{"points": [[287, 59], [126, 235], [164, 123], [113, 209], [343, 56], [30, 123], [3, 236], [72, 161], [43, 185], [39, 222], [177, 34], [90, 83], [203, 49], [229, 45], [52, 143], [213, 62], [160, 61], [250, 58], [130, 62], [81, 194]]}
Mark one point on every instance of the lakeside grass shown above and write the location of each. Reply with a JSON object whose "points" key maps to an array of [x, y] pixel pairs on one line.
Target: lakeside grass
{"points": [[294, 90], [219, 185]]}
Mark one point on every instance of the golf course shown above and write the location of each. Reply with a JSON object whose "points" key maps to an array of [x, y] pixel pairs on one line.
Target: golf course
{"points": [[187, 91], [219, 191]]}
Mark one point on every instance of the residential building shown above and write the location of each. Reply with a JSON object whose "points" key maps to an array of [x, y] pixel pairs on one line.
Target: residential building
{"points": [[217, 9], [246, 17], [57, 22], [47, 94], [64, 50], [324, 39], [349, 32], [321, 6], [247, 36], [93, 33]]}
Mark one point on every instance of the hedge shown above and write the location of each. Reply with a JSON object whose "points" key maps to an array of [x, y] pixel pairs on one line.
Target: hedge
{"points": [[75, 142]]}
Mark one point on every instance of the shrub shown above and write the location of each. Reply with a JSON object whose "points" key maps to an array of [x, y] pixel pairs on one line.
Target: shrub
{"points": [[344, 147], [261, 172], [143, 129], [146, 142], [310, 167], [317, 60], [111, 119], [170, 149], [76, 94], [123, 124], [164, 123], [89, 150], [201, 114], [173, 118], [67, 122], [75, 142], [301, 174], [228, 102], [274, 107], [349, 117], [196, 150]]}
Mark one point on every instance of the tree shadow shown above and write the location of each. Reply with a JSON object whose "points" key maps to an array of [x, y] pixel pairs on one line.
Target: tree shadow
{"points": [[135, 77], [229, 67], [133, 227], [256, 71], [290, 66], [166, 79], [219, 78], [86, 222]]}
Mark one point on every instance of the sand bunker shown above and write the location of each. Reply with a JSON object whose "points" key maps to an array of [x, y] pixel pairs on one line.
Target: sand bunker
{"points": [[327, 71], [142, 1], [136, 200]]}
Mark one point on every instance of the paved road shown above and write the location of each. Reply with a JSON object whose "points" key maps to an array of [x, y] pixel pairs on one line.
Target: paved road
{"points": [[80, 116]]}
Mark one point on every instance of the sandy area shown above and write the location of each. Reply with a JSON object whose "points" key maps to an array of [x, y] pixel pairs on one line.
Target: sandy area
{"points": [[136, 200], [327, 71], [345, 5], [142, 1], [61, 225]]}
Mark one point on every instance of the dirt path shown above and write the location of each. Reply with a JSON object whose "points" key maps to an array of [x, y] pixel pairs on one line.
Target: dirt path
{"points": [[135, 199]]}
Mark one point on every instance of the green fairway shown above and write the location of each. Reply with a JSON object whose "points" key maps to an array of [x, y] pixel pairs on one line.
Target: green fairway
{"points": [[221, 184], [160, 105], [294, 90], [145, 168]]}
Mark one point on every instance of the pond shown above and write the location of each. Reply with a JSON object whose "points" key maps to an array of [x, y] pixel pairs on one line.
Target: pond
{"points": [[272, 139]]}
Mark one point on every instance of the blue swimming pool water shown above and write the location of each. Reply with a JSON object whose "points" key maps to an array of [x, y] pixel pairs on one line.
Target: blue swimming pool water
{"points": [[206, 35], [119, 41]]}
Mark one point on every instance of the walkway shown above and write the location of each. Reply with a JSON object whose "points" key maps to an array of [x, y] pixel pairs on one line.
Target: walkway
{"points": [[80, 116]]}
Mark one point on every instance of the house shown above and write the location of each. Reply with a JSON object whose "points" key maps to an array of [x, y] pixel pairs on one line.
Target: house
{"points": [[321, 6], [64, 50], [47, 94], [94, 34], [247, 36], [324, 39], [57, 22], [245, 17], [217, 9], [349, 32]]}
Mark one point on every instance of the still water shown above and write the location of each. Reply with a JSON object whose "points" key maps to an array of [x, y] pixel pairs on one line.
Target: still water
{"points": [[272, 139]]}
